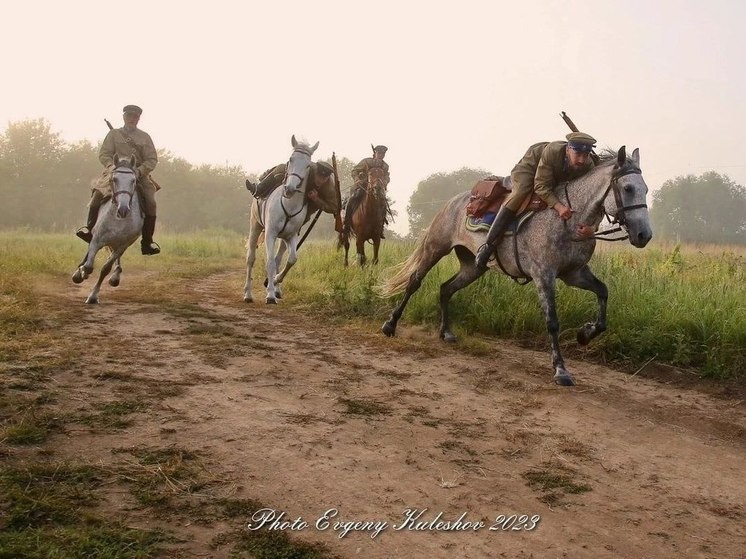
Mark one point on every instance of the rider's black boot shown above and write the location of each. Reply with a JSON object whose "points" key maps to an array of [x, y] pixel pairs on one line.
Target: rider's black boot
{"points": [[147, 244], [503, 218], [86, 232]]}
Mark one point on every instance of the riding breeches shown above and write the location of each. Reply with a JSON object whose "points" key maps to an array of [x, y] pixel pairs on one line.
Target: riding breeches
{"points": [[522, 189], [147, 188]]}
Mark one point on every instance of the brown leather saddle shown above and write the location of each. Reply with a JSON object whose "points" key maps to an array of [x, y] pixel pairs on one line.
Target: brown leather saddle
{"points": [[490, 193]]}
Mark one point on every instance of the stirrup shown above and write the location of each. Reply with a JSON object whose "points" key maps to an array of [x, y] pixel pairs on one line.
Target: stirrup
{"points": [[152, 248], [85, 234]]}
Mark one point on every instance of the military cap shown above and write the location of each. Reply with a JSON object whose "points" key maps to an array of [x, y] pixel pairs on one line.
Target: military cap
{"points": [[379, 147], [324, 169], [132, 109], [580, 141]]}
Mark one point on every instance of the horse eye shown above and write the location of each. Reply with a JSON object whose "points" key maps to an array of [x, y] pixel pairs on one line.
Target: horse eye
{"points": [[628, 188]]}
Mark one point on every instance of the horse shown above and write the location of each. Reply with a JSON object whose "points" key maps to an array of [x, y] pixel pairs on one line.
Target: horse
{"points": [[280, 215], [546, 248], [367, 220], [119, 224]]}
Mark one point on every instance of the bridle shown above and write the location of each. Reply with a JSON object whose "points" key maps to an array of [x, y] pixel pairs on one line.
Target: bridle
{"points": [[620, 219], [122, 169]]}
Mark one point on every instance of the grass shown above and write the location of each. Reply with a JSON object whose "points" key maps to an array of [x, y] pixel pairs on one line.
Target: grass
{"points": [[48, 512]]}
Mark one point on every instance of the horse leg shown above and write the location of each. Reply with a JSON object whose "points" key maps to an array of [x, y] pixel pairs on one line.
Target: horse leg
{"points": [[292, 247], [116, 276], [269, 243], [584, 279], [347, 250], [465, 276], [376, 245], [360, 246], [428, 259], [254, 233], [546, 289], [278, 265], [106, 268], [85, 268]]}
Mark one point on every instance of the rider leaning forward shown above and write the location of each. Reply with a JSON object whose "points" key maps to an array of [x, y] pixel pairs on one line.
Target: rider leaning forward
{"points": [[322, 195], [540, 170]]}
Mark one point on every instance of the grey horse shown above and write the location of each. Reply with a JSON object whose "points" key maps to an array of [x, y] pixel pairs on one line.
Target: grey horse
{"points": [[118, 225], [546, 248]]}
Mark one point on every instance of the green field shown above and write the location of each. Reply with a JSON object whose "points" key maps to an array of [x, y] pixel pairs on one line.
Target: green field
{"points": [[683, 306]]}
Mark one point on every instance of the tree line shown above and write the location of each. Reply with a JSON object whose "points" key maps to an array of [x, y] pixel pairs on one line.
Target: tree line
{"points": [[45, 184]]}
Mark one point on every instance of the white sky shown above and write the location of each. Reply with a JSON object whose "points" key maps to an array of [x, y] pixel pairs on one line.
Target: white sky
{"points": [[443, 84]]}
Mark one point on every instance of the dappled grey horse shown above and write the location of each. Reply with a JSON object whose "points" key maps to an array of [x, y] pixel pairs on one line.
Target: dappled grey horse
{"points": [[280, 216], [118, 225], [546, 248]]}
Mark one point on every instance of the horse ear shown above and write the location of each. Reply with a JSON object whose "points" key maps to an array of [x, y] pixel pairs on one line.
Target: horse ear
{"points": [[636, 156], [622, 156], [293, 141], [314, 146]]}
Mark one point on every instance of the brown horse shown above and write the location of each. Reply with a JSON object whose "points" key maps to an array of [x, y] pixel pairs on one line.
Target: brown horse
{"points": [[368, 207]]}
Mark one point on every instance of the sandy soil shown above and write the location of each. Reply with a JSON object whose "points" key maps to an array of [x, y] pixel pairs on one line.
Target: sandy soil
{"points": [[306, 416]]}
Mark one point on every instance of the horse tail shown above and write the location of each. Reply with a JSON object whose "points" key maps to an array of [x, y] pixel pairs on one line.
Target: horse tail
{"points": [[403, 271]]}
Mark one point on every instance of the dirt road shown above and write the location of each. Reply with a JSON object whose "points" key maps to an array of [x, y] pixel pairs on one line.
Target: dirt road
{"points": [[302, 416]]}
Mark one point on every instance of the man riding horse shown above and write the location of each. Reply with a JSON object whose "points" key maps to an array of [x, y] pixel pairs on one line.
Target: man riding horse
{"points": [[541, 169], [360, 176], [125, 142]]}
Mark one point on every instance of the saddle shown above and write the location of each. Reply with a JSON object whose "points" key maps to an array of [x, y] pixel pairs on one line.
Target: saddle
{"points": [[489, 194]]}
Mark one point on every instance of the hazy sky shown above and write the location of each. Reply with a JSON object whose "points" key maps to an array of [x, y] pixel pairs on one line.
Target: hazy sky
{"points": [[471, 83]]}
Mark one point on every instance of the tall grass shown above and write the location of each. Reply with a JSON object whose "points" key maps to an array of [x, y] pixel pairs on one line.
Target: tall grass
{"points": [[679, 305]]}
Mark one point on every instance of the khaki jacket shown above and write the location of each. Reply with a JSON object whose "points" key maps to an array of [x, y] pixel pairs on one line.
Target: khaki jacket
{"points": [[543, 167], [360, 171], [143, 149]]}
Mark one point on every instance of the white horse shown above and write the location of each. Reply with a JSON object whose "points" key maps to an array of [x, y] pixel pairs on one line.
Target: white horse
{"points": [[280, 215], [119, 223]]}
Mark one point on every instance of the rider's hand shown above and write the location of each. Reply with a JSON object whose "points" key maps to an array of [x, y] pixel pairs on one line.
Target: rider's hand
{"points": [[585, 231], [313, 196], [563, 211]]}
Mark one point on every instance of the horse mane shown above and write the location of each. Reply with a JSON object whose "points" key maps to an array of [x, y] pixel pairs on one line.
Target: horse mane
{"points": [[303, 145], [608, 156]]}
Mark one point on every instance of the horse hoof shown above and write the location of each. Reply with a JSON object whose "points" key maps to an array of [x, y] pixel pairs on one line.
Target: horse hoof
{"points": [[91, 301], [77, 277], [114, 282], [248, 299], [87, 271], [388, 328], [449, 337], [271, 301], [564, 379], [585, 334]]}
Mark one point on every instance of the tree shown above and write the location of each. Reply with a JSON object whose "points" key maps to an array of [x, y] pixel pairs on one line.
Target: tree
{"points": [[710, 208], [433, 192]]}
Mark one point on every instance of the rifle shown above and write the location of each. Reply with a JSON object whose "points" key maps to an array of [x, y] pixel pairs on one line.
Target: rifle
{"points": [[308, 229], [338, 226], [109, 124], [574, 128]]}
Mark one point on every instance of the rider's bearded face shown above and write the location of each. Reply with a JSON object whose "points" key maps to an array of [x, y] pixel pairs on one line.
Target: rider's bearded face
{"points": [[577, 159], [131, 120]]}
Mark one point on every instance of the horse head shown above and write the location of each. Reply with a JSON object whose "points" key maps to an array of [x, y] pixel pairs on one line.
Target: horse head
{"points": [[376, 182], [124, 181], [626, 202], [298, 166]]}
